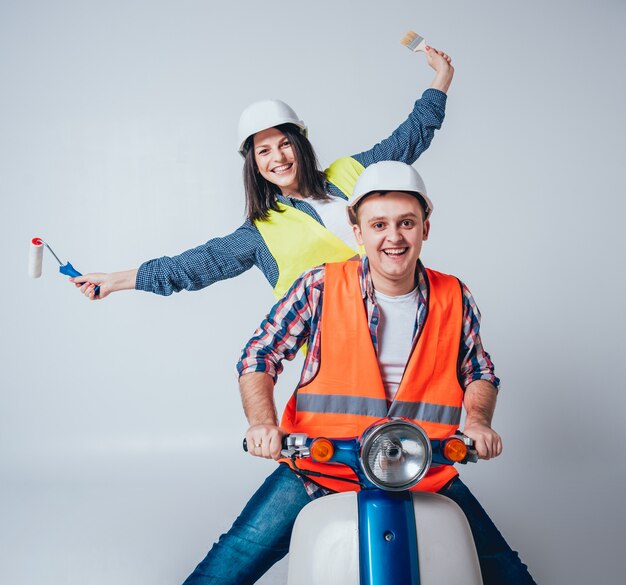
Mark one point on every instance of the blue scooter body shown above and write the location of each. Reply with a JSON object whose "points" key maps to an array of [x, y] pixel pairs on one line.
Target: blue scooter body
{"points": [[378, 537]]}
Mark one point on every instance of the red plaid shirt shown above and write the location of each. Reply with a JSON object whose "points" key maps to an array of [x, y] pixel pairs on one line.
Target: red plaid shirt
{"points": [[295, 320]]}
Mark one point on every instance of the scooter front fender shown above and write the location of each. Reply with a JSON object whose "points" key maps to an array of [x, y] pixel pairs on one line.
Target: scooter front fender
{"points": [[324, 546]]}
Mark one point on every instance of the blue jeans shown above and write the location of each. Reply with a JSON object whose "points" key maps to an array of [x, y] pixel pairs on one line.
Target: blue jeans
{"points": [[499, 564], [260, 536]]}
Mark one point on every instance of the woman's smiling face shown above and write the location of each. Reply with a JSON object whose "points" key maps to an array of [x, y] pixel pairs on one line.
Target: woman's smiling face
{"points": [[275, 160]]}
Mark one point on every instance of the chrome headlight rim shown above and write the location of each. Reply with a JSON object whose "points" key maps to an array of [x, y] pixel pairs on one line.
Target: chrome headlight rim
{"points": [[382, 427]]}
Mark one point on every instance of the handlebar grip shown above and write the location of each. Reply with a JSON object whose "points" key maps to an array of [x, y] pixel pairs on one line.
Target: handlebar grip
{"points": [[472, 455], [244, 444]]}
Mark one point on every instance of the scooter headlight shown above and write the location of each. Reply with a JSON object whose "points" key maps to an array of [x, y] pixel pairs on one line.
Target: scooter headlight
{"points": [[395, 454]]}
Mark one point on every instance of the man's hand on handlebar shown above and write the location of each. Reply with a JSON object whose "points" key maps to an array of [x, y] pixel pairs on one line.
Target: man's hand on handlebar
{"points": [[265, 441]]}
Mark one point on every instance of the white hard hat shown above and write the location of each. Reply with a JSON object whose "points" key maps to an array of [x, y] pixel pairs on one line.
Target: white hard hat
{"points": [[388, 175], [263, 115]]}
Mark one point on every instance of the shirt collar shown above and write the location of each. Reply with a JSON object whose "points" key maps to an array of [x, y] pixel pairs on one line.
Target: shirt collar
{"points": [[367, 286]]}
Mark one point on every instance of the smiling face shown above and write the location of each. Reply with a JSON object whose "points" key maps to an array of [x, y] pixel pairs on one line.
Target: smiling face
{"points": [[391, 227], [275, 160]]}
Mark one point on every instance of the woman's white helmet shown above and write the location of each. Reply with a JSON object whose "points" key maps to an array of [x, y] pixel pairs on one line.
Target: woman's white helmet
{"points": [[388, 175], [263, 115]]}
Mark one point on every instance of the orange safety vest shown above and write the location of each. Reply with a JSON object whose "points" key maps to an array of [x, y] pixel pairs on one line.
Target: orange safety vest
{"points": [[347, 393]]}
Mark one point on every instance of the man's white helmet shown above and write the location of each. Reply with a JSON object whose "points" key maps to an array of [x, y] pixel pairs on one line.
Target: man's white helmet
{"points": [[388, 175], [263, 115]]}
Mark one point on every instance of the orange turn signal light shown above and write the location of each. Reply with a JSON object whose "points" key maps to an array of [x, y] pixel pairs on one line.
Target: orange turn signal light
{"points": [[455, 450], [321, 450]]}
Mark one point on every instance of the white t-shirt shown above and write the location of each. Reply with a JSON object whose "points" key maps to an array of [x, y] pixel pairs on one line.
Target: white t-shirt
{"points": [[395, 337]]}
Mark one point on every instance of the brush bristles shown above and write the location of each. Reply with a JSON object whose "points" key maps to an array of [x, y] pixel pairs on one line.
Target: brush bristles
{"points": [[411, 40]]}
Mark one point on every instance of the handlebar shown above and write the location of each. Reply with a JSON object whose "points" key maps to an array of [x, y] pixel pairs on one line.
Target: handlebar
{"points": [[297, 445]]}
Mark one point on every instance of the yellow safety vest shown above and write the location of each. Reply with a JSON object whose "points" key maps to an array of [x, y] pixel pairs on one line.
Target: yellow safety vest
{"points": [[297, 241]]}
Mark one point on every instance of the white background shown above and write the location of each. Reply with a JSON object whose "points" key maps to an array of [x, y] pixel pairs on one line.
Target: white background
{"points": [[120, 421]]}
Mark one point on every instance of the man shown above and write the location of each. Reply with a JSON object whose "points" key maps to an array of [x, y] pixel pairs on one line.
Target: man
{"points": [[385, 336]]}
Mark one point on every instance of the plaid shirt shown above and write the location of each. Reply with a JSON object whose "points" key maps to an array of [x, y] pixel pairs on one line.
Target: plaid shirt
{"points": [[295, 320]]}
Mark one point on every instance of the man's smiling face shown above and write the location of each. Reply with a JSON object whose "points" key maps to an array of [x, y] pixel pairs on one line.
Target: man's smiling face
{"points": [[391, 227]]}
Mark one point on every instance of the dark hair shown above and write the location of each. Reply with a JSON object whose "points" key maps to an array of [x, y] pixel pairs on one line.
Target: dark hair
{"points": [[261, 194]]}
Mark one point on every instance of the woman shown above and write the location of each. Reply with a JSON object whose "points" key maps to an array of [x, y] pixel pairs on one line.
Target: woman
{"points": [[289, 201]]}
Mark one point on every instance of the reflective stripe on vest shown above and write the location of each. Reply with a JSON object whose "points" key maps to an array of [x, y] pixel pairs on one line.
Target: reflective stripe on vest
{"points": [[347, 394], [340, 404]]}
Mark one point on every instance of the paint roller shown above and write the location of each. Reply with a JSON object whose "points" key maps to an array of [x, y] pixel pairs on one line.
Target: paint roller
{"points": [[35, 262]]}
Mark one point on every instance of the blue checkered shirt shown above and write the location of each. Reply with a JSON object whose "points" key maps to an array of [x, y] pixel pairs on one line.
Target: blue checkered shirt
{"points": [[231, 255]]}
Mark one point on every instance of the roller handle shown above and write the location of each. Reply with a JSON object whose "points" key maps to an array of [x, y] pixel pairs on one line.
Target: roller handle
{"points": [[69, 270]]}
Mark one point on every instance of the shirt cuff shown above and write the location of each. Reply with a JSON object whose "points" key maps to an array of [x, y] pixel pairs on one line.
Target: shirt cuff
{"points": [[436, 96], [143, 280], [491, 378], [249, 366]]}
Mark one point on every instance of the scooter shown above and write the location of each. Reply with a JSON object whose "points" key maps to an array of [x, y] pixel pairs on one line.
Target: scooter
{"points": [[383, 534]]}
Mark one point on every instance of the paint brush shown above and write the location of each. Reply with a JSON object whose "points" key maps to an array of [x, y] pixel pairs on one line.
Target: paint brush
{"points": [[411, 40]]}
